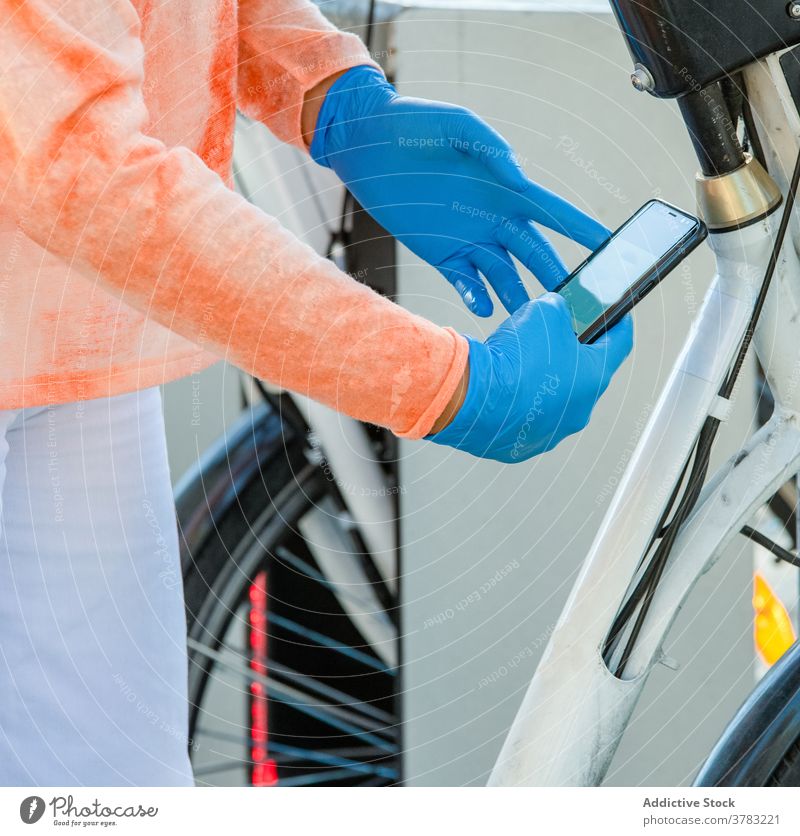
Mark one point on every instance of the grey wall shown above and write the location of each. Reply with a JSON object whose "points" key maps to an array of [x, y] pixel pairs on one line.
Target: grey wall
{"points": [[490, 551]]}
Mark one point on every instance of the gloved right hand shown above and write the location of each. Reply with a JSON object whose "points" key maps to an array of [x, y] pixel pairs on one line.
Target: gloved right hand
{"points": [[446, 185], [532, 383]]}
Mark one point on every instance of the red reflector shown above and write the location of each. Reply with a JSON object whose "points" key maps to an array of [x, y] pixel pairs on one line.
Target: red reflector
{"points": [[263, 770]]}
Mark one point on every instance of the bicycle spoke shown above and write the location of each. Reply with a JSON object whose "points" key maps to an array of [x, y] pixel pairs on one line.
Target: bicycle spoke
{"points": [[316, 778], [342, 719], [331, 644], [346, 701]]}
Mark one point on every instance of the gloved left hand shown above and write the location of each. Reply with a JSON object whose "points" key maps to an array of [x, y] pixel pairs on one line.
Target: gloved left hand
{"points": [[447, 186], [532, 384]]}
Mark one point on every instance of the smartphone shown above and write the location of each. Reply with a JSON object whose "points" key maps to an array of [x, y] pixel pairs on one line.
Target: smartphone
{"points": [[628, 266]]}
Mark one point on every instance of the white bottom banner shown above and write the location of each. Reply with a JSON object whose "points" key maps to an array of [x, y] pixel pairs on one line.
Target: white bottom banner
{"points": [[390, 811]]}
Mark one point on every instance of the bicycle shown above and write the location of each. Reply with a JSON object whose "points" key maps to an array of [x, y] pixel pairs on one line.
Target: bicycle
{"points": [[667, 523], [737, 96]]}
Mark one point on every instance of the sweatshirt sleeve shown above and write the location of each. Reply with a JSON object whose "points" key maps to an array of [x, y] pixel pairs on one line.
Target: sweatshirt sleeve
{"points": [[286, 47], [162, 231]]}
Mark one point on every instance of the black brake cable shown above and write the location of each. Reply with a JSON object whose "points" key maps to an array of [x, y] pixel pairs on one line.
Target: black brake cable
{"points": [[770, 545], [644, 591], [340, 237], [645, 586]]}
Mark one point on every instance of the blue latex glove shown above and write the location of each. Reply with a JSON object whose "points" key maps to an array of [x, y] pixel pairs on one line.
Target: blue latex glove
{"points": [[447, 186], [531, 384]]}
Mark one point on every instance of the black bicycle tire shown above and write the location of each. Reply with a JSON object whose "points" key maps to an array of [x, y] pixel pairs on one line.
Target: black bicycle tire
{"points": [[214, 554], [761, 745]]}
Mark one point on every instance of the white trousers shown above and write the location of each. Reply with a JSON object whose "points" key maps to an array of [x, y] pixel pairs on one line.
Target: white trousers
{"points": [[92, 625]]}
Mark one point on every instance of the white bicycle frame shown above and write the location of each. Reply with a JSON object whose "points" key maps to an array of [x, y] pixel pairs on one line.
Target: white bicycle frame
{"points": [[575, 710]]}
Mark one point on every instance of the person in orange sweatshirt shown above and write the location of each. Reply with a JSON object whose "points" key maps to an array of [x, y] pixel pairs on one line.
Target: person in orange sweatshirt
{"points": [[128, 261]]}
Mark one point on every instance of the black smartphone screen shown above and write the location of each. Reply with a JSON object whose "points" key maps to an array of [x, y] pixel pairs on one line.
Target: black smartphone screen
{"points": [[640, 253]]}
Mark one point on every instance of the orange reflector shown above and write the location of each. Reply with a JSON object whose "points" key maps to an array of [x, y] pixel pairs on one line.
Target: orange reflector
{"points": [[772, 628]]}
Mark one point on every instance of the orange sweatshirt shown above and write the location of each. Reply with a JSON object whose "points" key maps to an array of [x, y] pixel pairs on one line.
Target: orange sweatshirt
{"points": [[125, 258]]}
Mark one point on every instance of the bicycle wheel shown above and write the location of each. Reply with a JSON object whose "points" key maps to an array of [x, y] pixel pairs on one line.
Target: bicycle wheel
{"points": [[292, 678], [761, 746]]}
